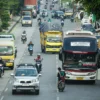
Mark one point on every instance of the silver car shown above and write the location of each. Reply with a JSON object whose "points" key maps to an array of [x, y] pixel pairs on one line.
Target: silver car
{"points": [[27, 20], [26, 78]]}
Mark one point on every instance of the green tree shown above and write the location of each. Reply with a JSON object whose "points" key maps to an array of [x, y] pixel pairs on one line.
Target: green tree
{"points": [[91, 6]]}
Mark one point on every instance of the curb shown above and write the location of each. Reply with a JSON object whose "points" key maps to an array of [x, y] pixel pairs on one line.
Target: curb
{"points": [[13, 25]]}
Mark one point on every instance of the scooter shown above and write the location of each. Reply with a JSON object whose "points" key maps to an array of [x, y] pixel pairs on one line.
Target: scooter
{"points": [[23, 39], [1, 71], [38, 66], [30, 49], [61, 85]]}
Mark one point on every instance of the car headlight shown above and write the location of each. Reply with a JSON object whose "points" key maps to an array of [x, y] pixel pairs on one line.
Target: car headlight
{"points": [[16, 80], [91, 73], [23, 21], [68, 73], [35, 80], [29, 22]]}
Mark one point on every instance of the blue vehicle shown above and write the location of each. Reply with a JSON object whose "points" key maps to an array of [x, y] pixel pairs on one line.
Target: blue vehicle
{"points": [[30, 49]]}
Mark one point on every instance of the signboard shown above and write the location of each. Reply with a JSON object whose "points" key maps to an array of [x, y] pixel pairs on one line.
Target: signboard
{"points": [[80, 44]]}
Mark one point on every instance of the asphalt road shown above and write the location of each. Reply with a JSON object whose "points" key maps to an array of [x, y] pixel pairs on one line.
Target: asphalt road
{"points": [[48, 80]]}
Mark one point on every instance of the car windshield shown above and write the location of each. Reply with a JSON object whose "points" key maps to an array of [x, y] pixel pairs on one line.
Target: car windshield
{"points": [[83, 44], [6, 50], [54, 39], [60, 12], [26, 18], [26, 72]]}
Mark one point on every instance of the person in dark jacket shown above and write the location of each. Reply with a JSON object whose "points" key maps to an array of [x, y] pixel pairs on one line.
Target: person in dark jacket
{"points": [[2, 64]]}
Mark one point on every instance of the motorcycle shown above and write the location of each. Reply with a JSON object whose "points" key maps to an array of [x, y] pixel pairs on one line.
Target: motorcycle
{"points": [[1, 71], [38, 66], [39, 22], [61, 85], [30, 50], [62, 24], [23, 39]]}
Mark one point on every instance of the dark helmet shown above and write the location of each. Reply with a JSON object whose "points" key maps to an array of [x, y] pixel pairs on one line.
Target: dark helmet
{"points": [[59, 68]]}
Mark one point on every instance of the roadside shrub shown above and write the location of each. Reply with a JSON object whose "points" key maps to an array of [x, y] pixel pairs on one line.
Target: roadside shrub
{"points": [[5, 25]]}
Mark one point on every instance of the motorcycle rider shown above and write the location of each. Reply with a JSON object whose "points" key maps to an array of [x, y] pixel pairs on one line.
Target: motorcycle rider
{"points": [[3, 64], [39, 59], [62, 23], [39, 20], [61, 75], [30, 44], [23, 35]]}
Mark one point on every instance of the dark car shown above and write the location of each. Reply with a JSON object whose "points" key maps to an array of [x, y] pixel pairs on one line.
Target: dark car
{"points": [[88, 27], [58, 14]]}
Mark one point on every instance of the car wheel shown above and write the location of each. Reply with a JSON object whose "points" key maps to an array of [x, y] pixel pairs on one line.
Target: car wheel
{"points": [[37, 92], [13, 92], [31, 25], [93, 82], [22, 24]]}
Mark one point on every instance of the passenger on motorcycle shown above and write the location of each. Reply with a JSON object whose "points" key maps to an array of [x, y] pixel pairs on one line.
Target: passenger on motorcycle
{"points": [[2, 65], [30, 44], [61, 75]]}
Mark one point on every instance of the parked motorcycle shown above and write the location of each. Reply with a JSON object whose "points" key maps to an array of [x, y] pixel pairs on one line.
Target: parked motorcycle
{"points": [[30, 49], [61, 85], [1, 71], [23, 39]]}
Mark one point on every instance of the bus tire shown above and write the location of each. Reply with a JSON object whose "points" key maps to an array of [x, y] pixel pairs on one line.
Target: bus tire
{"points": [[12, 67]]}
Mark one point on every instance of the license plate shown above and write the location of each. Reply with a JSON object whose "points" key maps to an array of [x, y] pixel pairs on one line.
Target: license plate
{"points": [[79, 78], [25, 84]]}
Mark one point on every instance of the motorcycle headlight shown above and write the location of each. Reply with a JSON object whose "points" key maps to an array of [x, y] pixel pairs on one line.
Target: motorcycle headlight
{"points": [[91, 73]]}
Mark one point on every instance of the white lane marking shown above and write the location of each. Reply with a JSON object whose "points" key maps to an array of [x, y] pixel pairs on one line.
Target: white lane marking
{"points": [[6, 89], [57, 98], [2, 98]]}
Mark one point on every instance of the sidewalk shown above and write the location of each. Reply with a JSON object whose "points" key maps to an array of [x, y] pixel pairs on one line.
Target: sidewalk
{"points": [[12, 23]]}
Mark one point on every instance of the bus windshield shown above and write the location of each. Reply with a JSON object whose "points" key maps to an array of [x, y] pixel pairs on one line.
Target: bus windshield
{"points": [[83, 44]]}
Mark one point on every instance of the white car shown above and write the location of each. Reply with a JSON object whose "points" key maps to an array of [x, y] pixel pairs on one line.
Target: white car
{"points": [[45, 11], [85, 20], [26, 20], [26, 78]]}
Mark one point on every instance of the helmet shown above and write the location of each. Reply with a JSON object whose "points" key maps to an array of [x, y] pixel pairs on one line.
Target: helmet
{"points": [[38, 54], [30, 42], [59, 68]]}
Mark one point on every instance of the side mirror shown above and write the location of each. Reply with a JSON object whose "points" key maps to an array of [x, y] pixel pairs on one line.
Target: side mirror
{"points": [[39, 75], [12, 74]]}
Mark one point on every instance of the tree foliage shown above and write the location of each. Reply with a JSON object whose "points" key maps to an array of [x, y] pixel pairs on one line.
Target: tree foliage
{"points": [[92, 6], [7, 6]]}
